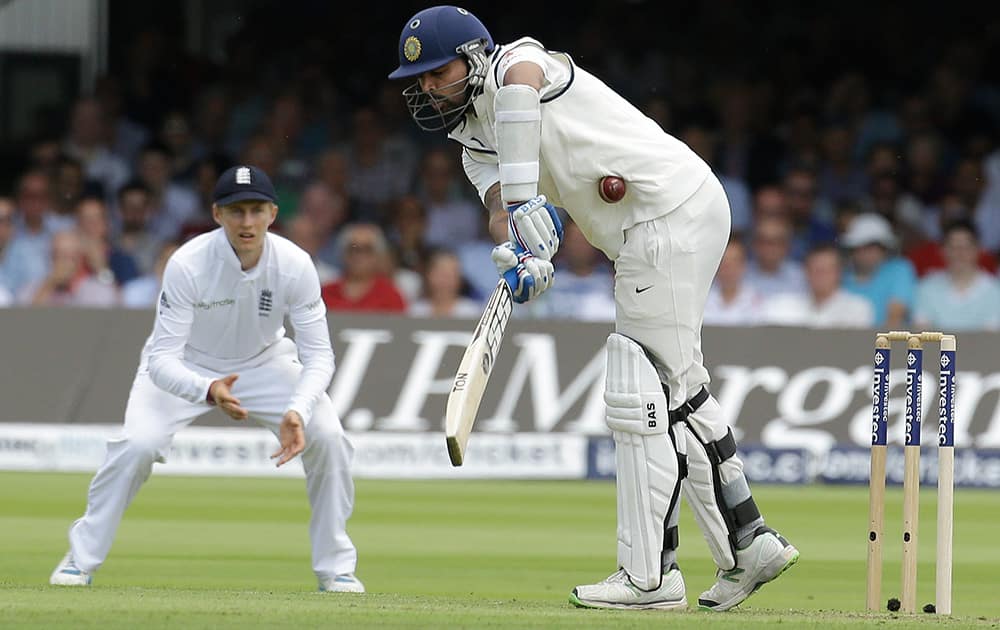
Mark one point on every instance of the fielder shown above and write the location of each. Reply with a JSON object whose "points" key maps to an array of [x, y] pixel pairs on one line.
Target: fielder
{"points": [[531, 120], [218, 340]]}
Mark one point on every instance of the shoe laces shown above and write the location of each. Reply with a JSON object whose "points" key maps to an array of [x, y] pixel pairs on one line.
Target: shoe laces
{"points": [[70, 566]]}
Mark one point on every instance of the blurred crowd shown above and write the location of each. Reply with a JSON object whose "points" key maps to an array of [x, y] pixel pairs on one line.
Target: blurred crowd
{"points": [[852, 206]]}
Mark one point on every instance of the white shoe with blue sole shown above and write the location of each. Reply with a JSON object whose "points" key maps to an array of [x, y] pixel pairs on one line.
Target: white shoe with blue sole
{"points": [[68, 574], [345, 583]]}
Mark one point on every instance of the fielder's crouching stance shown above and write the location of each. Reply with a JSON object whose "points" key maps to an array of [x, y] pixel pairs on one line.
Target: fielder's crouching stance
{"points": [[531, 121], [219, 340]]}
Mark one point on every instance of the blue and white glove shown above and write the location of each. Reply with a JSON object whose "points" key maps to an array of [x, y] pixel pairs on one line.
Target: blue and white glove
{"points": [[527, 276], [535, 226]]}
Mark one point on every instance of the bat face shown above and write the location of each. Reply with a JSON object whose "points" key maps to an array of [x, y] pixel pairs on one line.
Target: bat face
{"points": [[474, 372]]}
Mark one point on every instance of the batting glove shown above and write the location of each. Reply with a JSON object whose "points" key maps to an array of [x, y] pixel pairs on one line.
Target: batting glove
{"points": [[535, 226], [527, 276]]}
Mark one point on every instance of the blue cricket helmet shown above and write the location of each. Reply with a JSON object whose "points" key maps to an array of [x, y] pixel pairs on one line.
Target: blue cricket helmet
{"points": [[435, 36]]}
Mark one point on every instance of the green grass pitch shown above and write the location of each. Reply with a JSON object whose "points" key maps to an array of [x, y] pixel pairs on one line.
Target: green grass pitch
{"points": [[207, 552]]}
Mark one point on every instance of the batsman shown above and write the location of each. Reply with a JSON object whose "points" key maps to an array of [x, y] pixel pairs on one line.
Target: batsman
{"points": [[531, 121]]}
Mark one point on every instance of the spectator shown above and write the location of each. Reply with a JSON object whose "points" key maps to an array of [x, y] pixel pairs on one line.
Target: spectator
{"points": [[210, 118], [407, 233], [68, 282], [401, 137], [451, 219], [328, 213], [962, 297], [304, 231], [585, 290], [971, 185], [134, 209], [377, 175], [812, 216], [103, 260], [771, 271], [840, 179], [886, 197], [928, 254], [987, 214], [743, 153], [26, 260], [69, 186], [183, 150], [802, 134], [125, 136], [144, 291], [333, 169], [442, 290], [826, 304], [172, 204], [924, 173], [887, 281], [770, 202], [206, 173], [44, 154], [87, 143], [702, 143], [6, 235], [364, 285], [476, 257], [850, 101], [732, 301], [284, 130]]}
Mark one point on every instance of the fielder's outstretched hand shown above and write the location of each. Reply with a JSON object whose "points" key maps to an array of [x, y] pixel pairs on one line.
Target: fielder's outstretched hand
{"points": [[292, 436], [219, 393]]}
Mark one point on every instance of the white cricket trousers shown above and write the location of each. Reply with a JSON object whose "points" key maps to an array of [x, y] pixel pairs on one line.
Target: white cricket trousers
{"points": [[153, 416], [662, 277]]}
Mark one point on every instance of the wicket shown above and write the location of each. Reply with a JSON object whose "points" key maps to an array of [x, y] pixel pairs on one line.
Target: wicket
{"points": [[911, 459]]}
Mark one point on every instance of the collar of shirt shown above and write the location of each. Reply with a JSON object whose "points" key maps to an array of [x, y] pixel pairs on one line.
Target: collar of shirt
{"points": [[224, 251]]}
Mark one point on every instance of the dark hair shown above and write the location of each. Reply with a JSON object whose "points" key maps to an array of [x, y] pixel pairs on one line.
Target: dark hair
{"points": [[960, 225], [155, 147], [131, 186], [64, 159], [218, 161], [823, 248]]}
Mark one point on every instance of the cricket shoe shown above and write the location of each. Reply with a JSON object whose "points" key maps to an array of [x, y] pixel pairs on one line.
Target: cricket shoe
{"points": [[68, 574], [345, 583], [764, 559], [618, 591]]}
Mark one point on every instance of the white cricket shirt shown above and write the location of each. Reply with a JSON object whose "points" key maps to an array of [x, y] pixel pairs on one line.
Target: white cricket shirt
{"points": [[588, 132], [217, 316]]}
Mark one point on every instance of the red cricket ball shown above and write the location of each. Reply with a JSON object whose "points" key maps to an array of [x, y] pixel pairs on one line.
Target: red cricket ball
{"points": [[611, 188]]}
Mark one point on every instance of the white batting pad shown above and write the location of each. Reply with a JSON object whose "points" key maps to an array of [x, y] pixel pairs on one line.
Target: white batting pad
{"points": [[518, 133], [645, 458], [703, 426], [699, 490]]}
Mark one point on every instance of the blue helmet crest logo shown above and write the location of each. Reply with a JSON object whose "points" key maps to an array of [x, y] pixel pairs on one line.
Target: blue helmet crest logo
{"points": [[411, 48]]}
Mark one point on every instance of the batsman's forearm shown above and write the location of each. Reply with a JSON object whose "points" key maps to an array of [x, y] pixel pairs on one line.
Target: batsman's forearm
{"points": [[498, 214]]}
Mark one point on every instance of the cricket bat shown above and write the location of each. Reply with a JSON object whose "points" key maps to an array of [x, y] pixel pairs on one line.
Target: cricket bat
{"points": [[474, 372]]}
